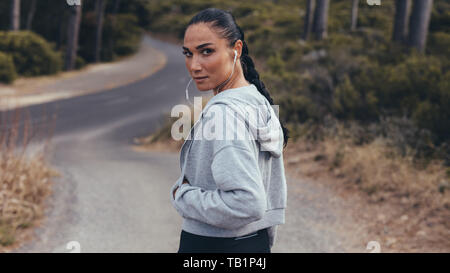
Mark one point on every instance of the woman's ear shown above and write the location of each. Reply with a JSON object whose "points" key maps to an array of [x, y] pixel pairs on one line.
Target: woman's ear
{"points": [[238, 47]]}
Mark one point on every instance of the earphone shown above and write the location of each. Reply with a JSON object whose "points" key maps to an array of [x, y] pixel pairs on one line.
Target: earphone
{"points": [[217, 88]]}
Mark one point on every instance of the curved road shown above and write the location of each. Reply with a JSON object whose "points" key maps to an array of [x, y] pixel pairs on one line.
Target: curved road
{"points": [[111, 198], [114, 199]]}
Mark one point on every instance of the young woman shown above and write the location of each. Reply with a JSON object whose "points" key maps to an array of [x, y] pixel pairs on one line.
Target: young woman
{"points": [[232, 189]]}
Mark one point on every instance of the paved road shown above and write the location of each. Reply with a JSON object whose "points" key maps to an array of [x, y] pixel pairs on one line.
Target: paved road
{"points": [[110, 197], [113, 199]]}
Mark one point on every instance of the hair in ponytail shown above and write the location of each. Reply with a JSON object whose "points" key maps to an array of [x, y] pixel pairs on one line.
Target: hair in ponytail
{"points": [[225, 24]]}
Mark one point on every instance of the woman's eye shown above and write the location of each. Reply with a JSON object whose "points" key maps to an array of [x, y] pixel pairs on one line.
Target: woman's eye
{"points": [[186, 53], [207, 49]]}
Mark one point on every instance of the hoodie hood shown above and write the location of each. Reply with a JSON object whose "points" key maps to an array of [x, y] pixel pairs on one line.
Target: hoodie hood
{"points": [[259, 116]]}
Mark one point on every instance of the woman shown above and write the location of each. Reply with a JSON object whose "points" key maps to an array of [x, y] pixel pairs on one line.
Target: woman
{"points": [[232, 190]]}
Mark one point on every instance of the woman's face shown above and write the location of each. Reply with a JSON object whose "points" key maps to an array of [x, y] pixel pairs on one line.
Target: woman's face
{"points": [[207, 55]]}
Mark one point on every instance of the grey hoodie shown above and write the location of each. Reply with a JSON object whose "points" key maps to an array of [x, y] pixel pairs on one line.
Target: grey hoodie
{"points": [[236, 185]]}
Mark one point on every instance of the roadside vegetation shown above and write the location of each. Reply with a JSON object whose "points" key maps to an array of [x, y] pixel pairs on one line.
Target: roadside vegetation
{"points": [[25, 180], [39, 46]]}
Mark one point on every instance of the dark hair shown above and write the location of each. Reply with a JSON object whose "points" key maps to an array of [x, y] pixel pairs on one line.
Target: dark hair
{"points": [[225, 24]]}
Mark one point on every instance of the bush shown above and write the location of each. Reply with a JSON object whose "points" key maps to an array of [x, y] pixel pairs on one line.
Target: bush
{"points": [[7, 69], [32, 54], [439, 43], [347, 100], [296, 109], [121, 39], [174, 24]]}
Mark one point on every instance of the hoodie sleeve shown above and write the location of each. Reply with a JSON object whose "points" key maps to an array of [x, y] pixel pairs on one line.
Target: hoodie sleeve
{"points": [[239, 198]]}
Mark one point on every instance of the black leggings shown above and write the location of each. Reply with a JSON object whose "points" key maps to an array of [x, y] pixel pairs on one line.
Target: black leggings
{"points": [[255, 242]]}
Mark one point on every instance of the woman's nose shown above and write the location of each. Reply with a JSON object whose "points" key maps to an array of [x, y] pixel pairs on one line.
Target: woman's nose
{"points": [[195, 64]]}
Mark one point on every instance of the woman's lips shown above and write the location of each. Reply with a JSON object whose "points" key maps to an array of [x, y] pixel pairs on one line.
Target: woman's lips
{"points": [[200, 79]]}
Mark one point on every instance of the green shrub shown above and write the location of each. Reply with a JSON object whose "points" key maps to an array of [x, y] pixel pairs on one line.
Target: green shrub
{"points": [[171, 24], [434, 112], [296, 109], [126, 35], [32, 54], [7, 68], [439, 44], [79, 62], [190, 6], [121, 39], [276, 64], [347, 100]]}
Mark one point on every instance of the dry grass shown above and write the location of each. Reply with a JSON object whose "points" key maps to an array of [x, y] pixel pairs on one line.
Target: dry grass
{"points": [[376, 168], [25, 182], [406, 205]]}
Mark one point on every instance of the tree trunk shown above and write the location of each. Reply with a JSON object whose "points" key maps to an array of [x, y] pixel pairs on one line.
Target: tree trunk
{"points": [[419, 22], [99, 9], [115, 10], [31, 14], [72, 36], [354, 15], [321, 19], [402, 9], [113, 23], [308, 19], [15, 15]]}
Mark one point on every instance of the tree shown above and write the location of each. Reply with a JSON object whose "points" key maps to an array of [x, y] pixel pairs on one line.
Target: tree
{"points": [[320, 21], [31, 12], [15, 15], [354, 15], [72, 36], [402, 9], [99, 10], [308, 19], [419, 22], [115, 10]]}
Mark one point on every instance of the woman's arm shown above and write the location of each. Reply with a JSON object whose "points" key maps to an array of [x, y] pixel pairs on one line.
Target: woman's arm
{"points": [[185, 181], [239, 198]]}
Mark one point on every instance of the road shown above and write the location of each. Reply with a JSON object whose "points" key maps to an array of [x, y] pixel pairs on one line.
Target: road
{"points": [[114, 199]]}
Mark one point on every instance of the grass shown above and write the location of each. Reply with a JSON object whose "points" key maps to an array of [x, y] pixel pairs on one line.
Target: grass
{"points": [[25, 180], [410, 195]]}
